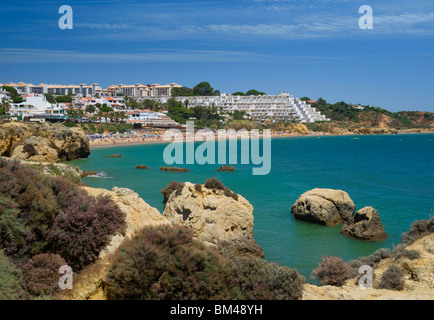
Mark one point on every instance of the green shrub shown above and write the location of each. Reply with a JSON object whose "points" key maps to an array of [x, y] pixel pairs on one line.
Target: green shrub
{"points": [[410, 254], [166, 263], [174, 186], [10, 280], [392, 279], [332, 271], [34, 197], [229, 193], [43, 213], [30, 149], [417, 230], [54, 169], [258, 279], [69, 124], [41, 274], [84, 228], [400, 251], [370, 260], [214, 184], [13, 231]]}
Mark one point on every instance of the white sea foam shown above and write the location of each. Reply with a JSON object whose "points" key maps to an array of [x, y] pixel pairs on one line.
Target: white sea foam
{"points": [[100, 175]]}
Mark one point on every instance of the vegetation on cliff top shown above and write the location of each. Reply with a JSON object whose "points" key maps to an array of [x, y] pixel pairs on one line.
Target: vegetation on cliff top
{"points": [[334, 271], [166, 263], [342, 112], [41, 214]]}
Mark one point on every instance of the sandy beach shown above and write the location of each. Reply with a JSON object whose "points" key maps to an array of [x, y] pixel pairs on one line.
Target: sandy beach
{"points": [[116, 140]]}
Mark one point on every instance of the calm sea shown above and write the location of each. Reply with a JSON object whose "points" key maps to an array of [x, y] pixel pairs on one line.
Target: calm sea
{"points": [[392, 173]]}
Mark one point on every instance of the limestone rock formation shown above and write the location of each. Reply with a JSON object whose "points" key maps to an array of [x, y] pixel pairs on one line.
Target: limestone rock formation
{"points": [[339, 131], [114, 156], [42, 142], [69, 172], [324, 206], [214, 216], [142, 166], [365, 225], [374, 130]]}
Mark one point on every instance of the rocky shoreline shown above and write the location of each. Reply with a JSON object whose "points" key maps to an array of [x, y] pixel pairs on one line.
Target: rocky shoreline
{"points": [[42, 142], [221, 220], [217, 217], [189, 207]]}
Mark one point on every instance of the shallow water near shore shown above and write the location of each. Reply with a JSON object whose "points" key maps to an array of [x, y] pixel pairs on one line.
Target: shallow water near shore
{"points": [[392, 173]]}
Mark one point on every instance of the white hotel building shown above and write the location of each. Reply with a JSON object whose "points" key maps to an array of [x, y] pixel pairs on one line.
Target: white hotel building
{"points": [[36, 105], [268, 108], [77, 90], [83, 90], [148, 117]]}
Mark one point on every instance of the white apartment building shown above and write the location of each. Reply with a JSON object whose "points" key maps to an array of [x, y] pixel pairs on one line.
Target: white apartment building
{"points": [[136, 90], [149, 117], [268, 108], [76, 90], [35, 105], [80, 90], [114, 103], [139, 90]]}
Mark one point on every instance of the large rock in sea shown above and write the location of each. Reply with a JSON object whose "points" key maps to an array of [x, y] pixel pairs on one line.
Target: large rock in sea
{"points": [[227, 168], [324, 206], [42, 142], [365, 225], [215, 216]]}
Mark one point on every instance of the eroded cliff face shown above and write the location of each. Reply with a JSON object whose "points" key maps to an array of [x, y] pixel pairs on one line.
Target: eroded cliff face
{"points": [[42, 142], [419, 279]]}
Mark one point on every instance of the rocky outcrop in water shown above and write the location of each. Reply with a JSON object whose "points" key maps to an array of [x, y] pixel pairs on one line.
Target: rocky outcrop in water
{"points": [[324, 206], [227, 168], [365, 225], [42, 142], [174, 169], [215, 217]]}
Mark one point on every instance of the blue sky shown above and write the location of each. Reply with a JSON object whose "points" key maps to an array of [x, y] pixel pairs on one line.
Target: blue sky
{"points": [[309, 48]]}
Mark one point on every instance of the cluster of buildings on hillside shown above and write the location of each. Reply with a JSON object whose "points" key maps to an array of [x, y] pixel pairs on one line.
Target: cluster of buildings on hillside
{"points": [[268, 108], [94, 90], [263, 109]]}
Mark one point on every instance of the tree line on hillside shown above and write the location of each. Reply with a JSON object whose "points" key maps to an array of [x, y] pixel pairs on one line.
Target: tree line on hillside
{"points": [[345, 112], [16, 98], [205, 89]]}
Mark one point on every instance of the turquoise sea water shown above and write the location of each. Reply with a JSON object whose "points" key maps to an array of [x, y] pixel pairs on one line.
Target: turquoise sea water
{"points": [[392, 173]]}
